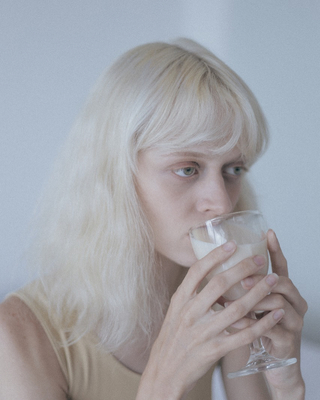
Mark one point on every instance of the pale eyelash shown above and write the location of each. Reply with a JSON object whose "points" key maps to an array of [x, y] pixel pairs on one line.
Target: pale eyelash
{"points": [[183, 168], [242, 168]]}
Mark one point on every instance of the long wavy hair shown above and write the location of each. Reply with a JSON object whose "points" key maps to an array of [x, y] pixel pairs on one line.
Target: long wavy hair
{"points": [[93, 247]]}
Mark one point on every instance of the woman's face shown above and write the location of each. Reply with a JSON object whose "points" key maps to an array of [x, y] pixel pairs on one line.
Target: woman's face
{"points": [[181, 189]]}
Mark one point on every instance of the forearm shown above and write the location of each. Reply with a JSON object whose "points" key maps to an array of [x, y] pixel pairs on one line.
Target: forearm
{"points": [[295, 393], [287, 384], [247, 387]]}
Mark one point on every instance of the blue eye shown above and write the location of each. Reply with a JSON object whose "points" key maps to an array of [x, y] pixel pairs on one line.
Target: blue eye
{"points": [[185, 172], [235, 171]]}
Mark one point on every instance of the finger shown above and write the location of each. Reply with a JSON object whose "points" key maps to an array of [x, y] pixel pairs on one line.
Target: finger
{"points": [[222, 282], [250, 281], [240, 308], [288, 290], [242, 323], [252, 332], [201, 268], [285, 337], [286, 287], [278, 261], [291, 322], [284, 295]]}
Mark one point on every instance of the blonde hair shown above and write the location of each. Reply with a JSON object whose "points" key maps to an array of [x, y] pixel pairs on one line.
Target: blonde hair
{"points": [[93, 246]]}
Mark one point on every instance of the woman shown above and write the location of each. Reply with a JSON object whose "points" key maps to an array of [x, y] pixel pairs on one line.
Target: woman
{"points": [[162, 145]]}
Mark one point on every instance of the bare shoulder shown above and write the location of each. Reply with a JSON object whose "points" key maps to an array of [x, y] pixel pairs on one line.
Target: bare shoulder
{"points": [[28, 363]]}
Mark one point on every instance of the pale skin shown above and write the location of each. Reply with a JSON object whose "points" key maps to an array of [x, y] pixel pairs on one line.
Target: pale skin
{"points": [[178, 191]]}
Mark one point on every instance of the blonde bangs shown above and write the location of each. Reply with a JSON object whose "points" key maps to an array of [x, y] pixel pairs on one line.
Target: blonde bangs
{"points": [[190, 104]]}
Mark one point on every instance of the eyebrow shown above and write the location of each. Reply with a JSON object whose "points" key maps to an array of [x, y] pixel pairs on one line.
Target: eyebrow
{"points": [[186, 154], [200, 155]]}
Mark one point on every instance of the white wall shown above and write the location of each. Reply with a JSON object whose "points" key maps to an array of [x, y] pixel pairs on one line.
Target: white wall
{"points": [[274, 46], [52, 52]]}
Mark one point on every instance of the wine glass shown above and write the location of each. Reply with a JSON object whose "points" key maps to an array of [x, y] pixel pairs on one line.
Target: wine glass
{"points": [[248, 229]]}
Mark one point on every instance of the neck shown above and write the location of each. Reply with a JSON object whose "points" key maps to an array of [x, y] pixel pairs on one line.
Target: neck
{"points": [[172, 273]]}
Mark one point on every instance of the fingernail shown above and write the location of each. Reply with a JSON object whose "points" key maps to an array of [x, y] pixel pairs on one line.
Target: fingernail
{"points": [[227, 303], [259, 260], [278, 314], [247, 282], [229, 246], [272, 279]]}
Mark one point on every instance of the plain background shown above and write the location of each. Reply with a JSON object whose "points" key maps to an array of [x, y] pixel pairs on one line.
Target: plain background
{"points": [[53, 52]]}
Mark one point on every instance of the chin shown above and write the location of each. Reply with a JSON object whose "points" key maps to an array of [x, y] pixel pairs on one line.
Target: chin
{"points": [[187, 261]]}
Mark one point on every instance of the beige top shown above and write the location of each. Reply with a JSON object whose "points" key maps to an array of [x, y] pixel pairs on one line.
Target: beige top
{"points": [[91, 373]]}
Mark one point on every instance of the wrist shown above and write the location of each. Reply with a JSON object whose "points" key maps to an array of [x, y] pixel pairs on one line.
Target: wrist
{"points": [[155, 387], [295, 393]]}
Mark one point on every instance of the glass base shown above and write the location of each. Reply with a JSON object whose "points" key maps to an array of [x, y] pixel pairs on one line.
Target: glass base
{"points": [[261, 362]]}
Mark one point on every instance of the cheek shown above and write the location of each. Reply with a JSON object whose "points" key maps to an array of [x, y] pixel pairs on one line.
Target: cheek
{"points": [[164, 217], [155, 207], [234, 192]]}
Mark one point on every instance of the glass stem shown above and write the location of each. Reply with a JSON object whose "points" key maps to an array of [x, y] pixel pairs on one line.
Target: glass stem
{"points": [[256, 347]]}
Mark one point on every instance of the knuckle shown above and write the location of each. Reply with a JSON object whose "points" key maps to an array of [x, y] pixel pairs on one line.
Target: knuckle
{"points": [[266, 323], [287, 284], [279, 301], [199, 268], [304, 306], [222, 349], [187, 318], [176, 295], [237, 310], [195, 271], [220, 281], [175, 301], [250, 335], [247, 267]]}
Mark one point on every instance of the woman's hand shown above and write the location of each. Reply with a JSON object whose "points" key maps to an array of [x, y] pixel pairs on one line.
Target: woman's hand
{"points": [[284, 339], [193, 336]]}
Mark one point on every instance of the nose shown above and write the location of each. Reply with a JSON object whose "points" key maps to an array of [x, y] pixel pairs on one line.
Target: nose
{"points": [[214, 198]]}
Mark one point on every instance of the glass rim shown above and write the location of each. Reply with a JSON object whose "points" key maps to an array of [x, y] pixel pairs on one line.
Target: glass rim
{"points": [[224, 217]]}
